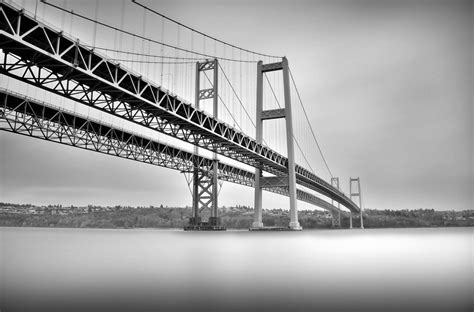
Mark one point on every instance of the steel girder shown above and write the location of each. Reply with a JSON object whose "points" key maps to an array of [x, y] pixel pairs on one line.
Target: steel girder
{"points": [[39, 55], [22, 115]]}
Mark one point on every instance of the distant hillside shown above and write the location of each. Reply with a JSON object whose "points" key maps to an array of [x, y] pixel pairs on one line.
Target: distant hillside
{"points": [[239, 217]]}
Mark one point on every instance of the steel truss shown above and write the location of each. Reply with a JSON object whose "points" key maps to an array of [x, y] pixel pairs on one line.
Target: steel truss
{"points": [[39, 55], [22, 115]]}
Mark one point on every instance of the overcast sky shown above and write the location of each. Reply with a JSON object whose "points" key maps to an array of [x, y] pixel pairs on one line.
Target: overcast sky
{"points": [[387, 86]]}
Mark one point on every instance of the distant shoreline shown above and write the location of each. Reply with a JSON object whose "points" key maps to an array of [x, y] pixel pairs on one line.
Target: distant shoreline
{"points": [[239, 218], [231, 229]]}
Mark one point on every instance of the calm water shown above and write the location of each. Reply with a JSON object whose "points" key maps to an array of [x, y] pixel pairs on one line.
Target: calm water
{"points": [[156, 270]]}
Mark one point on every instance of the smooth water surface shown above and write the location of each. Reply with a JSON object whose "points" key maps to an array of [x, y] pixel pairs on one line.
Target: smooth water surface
{"points": [[171, 270]]}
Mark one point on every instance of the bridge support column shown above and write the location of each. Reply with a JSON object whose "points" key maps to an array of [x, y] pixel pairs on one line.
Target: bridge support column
{"points": [[336, 216], [205, 180], [214, 218], [288, 181], [195, 219], [336, 219], [294, 224], [257, 216], [357, 193], [350, 220]]}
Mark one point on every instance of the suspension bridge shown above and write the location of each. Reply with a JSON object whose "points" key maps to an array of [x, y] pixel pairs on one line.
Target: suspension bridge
{"points": [[175, 98]]}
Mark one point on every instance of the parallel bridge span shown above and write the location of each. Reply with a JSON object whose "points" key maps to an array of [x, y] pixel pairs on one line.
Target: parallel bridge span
{"points": [[22, 115]]}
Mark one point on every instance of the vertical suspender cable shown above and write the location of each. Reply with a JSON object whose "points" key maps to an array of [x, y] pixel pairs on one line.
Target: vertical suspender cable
{"points": [[230, 94], [240, 88], [176, 54], [162, 50], [186, 94], [94, 37], [63, 15], [143, 45], [71, 24], [36, 7], [122, 20], [96, 15], [204, 44], [215, 47]]}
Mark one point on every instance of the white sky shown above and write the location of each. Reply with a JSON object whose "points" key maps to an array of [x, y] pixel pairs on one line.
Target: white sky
{"points": [[387, 86]]}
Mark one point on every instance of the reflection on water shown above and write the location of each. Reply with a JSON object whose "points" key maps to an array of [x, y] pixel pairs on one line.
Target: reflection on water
{"points": [[156, 270]]}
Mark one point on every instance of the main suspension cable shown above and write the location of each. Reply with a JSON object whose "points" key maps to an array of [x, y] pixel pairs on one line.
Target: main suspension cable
{"points": [[142, 37], [149, 62], [310, 127], [201, 33], [238, 98]]}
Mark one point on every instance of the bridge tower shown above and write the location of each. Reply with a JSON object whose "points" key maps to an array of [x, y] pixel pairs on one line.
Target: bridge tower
{"points": [[356, 192], [287, 181], [205, 182], [336, 216]]}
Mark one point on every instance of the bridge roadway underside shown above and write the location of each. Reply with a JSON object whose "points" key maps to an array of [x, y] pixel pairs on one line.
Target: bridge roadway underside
{"points": [[39, 55], [22, 115]]}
